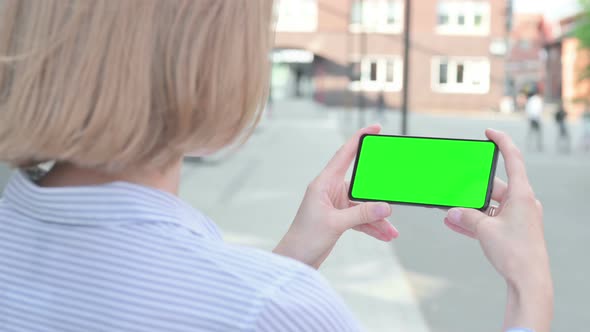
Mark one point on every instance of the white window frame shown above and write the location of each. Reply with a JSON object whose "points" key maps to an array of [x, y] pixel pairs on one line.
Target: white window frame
{"points": [[297, 15], [471, 64], [374, 17], [469, 9], [380, 84]]}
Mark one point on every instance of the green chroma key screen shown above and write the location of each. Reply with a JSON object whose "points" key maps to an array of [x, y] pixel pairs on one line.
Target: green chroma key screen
{"points": [[424, 171]]}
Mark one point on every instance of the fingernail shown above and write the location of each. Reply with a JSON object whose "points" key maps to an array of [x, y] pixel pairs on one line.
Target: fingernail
{"points": [[381, 210], [394, 233], [373, 125], [494, 131], [454, 216]]}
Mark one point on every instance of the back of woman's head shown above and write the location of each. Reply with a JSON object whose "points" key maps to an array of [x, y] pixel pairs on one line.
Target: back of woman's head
{"points": [[113, 84]]}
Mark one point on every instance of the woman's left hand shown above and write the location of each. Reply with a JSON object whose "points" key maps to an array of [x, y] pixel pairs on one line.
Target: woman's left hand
{"points": [[326, 212]]}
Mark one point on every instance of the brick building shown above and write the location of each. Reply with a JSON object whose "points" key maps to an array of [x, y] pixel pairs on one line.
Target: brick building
{"points": [[350, 47], [526, 60], [565, 63]]}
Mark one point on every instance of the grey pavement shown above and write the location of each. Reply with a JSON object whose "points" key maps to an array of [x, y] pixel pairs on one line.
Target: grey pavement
{"points": [[456, 289], [254, 194], [430, 279]]}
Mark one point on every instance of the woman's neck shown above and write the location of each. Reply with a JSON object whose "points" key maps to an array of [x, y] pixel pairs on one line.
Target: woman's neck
{"points": [[68, 175]]}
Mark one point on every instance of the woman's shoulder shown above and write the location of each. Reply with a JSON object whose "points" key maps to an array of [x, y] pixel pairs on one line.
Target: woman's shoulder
{"points": [[287, 294], [257, 267]]}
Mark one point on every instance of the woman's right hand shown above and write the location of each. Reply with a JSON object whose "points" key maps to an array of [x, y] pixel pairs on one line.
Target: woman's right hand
{"points": [[513, 241]]}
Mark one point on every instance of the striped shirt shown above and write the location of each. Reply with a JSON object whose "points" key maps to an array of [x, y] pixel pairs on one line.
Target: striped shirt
{"points": [[122, 257]]}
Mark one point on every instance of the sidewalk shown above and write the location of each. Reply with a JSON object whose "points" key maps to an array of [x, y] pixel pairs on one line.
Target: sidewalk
{"points": [[254, 194]]}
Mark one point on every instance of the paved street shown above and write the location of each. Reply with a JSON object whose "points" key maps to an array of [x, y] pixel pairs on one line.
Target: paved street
{"points": [[430, 279], [457, 288], [254, 194]]}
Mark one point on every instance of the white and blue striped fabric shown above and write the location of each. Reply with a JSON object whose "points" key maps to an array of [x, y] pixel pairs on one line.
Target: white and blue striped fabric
{"points": [[122, 257]]}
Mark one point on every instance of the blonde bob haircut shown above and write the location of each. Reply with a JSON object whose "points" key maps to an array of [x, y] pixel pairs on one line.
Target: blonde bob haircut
{"points": [[116, 84]]}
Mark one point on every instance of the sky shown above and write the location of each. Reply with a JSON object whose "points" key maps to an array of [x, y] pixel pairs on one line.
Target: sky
{"points": [[552, 8]]}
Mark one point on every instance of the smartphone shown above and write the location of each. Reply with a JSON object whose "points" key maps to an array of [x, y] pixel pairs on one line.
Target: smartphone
{"points": [[424, 171]]}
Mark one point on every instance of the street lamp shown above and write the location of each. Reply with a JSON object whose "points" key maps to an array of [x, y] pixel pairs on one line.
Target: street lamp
{"points": [[406, 85], [363, 52]]}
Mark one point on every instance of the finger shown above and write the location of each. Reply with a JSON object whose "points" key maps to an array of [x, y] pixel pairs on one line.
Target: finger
{"points": [[466, 219], [385, 227], [373, 231], [458, 229], [515, 168], [364, 213], [341, 161], [500, 189], [351, 203]]}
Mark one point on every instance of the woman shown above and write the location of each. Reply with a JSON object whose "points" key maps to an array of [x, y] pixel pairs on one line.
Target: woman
{"points": [[534, 112], [116, 92]]}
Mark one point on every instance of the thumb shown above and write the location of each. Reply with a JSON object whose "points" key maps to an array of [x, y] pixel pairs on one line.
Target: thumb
{"points": [[467, 219], [363, 214]]}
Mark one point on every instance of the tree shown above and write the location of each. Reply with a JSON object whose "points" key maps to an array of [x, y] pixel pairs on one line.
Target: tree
{"points": [[582, 33]]}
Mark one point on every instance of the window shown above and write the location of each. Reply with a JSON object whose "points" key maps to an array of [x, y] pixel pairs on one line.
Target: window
{"points": [[373, 71], [297, 15], [461, 75], [382, 16], [392, 14], [390, 71], [463, 17], [443, 70], [356, 13], [460, 71], [443, 14], [376, 73], [481, 11], [478, 20], [355, 71]]}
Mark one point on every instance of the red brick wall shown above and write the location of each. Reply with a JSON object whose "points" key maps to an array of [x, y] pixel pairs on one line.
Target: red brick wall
{"points": [[574, 63], [333, 41], [427, 44]]}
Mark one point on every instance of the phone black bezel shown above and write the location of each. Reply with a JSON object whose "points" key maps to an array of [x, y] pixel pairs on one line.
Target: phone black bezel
{"points": [[490, 180]]}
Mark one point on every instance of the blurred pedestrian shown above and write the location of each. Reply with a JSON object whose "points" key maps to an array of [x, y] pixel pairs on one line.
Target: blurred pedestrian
{"points": [[534, 112], [563, 138], [117, 92]]}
